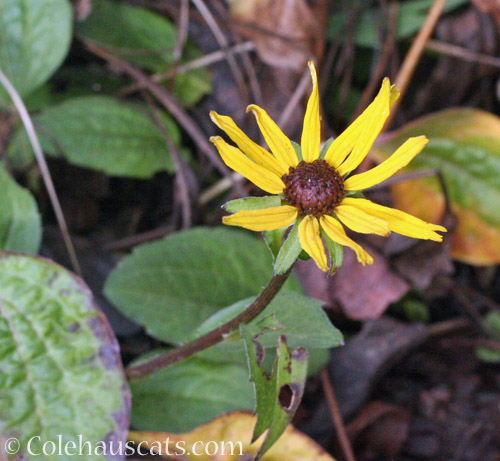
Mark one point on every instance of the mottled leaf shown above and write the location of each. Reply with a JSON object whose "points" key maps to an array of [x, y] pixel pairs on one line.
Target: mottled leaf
{"points": [[61, 369]]}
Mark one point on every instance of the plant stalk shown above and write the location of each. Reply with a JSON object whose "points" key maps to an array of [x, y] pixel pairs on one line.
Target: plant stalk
{"points": [[212, 337]]}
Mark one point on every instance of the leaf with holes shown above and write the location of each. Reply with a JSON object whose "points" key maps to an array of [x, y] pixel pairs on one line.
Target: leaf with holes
{"points": [[173, 285], [34, 39], [278, 396], [464, 144], [20, 226], [61, 369], [102, 133]]}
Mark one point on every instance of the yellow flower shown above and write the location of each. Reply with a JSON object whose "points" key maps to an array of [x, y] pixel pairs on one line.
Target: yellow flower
{"points": [[316, 191]]}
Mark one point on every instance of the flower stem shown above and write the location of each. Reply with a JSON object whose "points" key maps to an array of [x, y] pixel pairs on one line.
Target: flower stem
{"points": [[212, 337]]}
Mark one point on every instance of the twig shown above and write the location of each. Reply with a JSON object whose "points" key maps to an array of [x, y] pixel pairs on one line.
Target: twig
{"points": [[214, 336], [129, 242], [463, 53], [344, 441], [179, 164], [166, 99], [222, 41], [414, 53], [44, 169], [219, 187], [182, 27]]}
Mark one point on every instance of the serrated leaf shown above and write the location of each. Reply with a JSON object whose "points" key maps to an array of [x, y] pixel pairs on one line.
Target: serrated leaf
{"points": [[464, 144], [20, 224], [61, 369], [289, 251], [252, 203], [172, 285], [288, 375], [313, 331], [34, 39], [233, 428], [188, 393], [411, 15], [147, 39], [102, 133]]}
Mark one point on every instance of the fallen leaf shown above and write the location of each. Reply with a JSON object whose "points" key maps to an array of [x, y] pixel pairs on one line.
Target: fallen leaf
{"points": [[286, 33], [236, 427], [363, 292], [464, 144], [490, 7]]}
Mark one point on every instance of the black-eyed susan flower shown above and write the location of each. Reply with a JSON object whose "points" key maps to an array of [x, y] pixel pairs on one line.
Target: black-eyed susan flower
{"points": [[316, 191]]}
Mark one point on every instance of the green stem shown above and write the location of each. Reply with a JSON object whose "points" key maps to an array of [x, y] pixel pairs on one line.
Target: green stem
{"points": [[212, 337]]}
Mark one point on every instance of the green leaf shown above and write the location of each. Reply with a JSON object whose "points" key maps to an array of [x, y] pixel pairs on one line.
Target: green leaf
{"points": [[411, 15], [20, 224], [325, 147], [34, 39], [289, 251], [274, 240], [298, 150], [464, 144], [314, 330], [336, 252], [144, 38], [189, 393], [289, 375], [252, 203], [61, 370], [172, 285], [102, 133]]}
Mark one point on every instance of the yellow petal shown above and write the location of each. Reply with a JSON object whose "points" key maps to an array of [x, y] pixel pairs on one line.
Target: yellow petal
{"points": [[239, 162], [343, 145], [373, 122], [310, 241], [399, 221], [360, 221], [311, 132], [277, 141], [257, 153], [263, 220], [336, 232], [387, 168]]}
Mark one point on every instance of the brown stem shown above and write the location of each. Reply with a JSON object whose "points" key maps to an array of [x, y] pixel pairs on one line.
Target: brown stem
{"points": [[214, 336], [343, 439]]}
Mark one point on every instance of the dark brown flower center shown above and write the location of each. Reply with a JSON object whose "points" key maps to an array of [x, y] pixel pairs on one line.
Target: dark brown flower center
{"points": [[314, 188]]}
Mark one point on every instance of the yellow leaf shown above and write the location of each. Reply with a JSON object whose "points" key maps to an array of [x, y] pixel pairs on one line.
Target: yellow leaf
{"points": [[236, 428]]}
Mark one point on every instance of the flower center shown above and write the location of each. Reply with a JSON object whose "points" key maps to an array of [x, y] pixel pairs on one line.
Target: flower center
{"points": [[314, 188]]}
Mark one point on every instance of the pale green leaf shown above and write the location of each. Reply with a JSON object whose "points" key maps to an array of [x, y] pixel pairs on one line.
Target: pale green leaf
{"points": [[20, 224], [34, 39]]}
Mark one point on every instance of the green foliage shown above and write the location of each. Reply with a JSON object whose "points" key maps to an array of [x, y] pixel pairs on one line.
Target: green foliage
{"points": [[34, 39], [172, 285], [288, 375], [252, 203], [189, 393], [20, 226], [289, 251], [61, 372], [144, 38], [102, 133], [411, 15], [492, 321], [286, 308]]}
